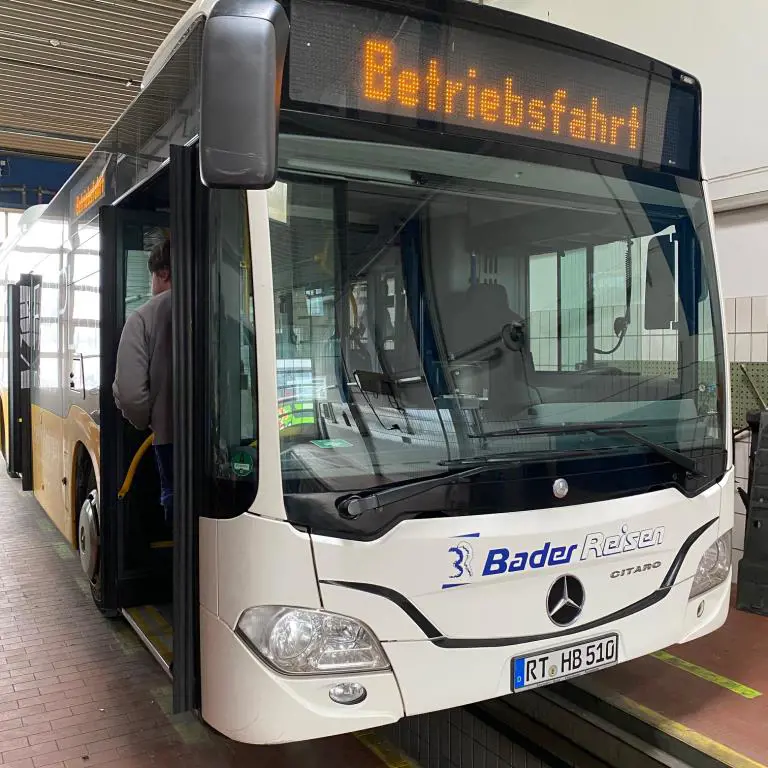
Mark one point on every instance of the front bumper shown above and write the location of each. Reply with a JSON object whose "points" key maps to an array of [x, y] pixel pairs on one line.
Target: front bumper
{"points": [[250, 702]]}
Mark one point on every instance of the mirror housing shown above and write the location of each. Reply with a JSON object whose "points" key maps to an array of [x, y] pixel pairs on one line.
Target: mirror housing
{"points": [[244, 48], [660, 285]]}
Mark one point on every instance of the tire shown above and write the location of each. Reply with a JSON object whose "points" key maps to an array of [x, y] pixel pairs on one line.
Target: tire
{"points": [[89, 536]]}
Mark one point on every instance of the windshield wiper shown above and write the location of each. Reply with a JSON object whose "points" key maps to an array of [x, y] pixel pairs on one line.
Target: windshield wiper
{"points": [[353, 506], [619, 428]]}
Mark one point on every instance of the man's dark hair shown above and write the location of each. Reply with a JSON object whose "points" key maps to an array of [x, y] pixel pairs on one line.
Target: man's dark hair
{"points": [[160, 257]]}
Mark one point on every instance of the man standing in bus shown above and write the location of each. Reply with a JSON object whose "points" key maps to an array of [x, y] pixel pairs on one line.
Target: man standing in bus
{"points": [[143, 386]]}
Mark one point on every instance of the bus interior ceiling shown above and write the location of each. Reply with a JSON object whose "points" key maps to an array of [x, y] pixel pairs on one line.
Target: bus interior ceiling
{"points": [[145, 540]]}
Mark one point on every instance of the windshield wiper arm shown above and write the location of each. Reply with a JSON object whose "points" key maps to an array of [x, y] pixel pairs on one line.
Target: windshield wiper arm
{"points": [[620, 428], [357, 504], [351, 507]]}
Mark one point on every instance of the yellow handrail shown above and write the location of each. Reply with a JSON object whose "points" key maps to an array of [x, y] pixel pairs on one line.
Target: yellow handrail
{"points": [[143, 448]]}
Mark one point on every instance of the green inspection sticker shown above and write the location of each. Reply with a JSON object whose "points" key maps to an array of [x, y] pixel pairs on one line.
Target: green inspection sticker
{"points": [[331, 443], [242, 464]]}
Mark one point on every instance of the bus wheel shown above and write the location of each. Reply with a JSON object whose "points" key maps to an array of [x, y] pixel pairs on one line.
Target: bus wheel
{"points": [[89, 538]]}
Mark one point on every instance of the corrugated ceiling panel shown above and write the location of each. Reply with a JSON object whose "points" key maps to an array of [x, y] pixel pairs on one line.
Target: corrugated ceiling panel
{"points": [[68, 68]]}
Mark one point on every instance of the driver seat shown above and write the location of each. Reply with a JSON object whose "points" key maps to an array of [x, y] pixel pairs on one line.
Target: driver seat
{"points": [[482, 314]]}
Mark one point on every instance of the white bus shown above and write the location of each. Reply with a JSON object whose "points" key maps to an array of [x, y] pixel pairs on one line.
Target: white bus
{"points": [[451, 403]]}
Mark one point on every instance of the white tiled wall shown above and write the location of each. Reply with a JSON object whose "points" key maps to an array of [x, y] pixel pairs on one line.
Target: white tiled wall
{"points": [[638, 344], [746, 322]]}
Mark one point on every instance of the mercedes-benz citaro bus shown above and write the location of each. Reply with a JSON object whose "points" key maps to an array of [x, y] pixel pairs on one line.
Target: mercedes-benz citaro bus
{"points": [[450, 392]]}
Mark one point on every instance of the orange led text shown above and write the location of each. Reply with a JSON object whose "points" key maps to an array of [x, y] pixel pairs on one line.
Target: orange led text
{"points": [[493, 105], [90, 195]]}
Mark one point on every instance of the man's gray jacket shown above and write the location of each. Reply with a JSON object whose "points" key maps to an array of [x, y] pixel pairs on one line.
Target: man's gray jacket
{"points": [[143, 386]]}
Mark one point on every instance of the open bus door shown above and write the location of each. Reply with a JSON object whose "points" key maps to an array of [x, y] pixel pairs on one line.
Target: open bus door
{"points": [[23, 345], [136, 550], [150, 570]]}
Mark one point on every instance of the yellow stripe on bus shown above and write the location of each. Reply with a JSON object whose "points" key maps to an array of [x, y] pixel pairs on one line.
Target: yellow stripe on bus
{"points": [[705, 674]]}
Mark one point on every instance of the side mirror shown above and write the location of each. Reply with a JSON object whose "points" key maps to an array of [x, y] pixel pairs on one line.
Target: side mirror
{"points": [[660, 287], [244, 49]]}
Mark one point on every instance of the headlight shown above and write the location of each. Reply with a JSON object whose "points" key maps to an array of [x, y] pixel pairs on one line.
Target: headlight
{"points": [[714, 566], [299, 641]]}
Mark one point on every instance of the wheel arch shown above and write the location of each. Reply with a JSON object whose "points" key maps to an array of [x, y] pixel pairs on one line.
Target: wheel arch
{"points": [[83, 461]]}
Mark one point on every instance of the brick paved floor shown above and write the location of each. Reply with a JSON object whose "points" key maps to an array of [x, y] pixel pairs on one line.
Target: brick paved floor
{"points": [[79, 691]]}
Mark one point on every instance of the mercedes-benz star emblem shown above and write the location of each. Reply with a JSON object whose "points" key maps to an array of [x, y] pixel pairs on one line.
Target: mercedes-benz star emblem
{"points": [[565, 601], [560, 488]]}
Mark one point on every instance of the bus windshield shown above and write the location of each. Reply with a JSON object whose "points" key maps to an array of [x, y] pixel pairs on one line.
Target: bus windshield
{"points": [[434, 308]]}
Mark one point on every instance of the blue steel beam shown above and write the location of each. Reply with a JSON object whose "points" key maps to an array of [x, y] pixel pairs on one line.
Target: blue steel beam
{"points": [[26, 181]]}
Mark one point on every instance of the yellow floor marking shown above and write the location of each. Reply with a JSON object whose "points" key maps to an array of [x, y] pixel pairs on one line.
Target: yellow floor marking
{"points": [[163, 631], [705, 674], [162, 622], [679, 731], [389, 754], [157, 640]]}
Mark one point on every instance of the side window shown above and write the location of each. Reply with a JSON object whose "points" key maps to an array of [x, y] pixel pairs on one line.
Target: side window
{"points": [[82, 303], [558, 310], [233, 385], [305, 258], [618, 303], [586, 309]]}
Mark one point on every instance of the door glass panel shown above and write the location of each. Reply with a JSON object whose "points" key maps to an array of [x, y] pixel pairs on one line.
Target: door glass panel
{"points": [[138, 281], [233, 386]]}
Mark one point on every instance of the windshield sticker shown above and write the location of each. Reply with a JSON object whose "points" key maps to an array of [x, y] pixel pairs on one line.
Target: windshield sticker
{"points": [[337, 443], [242, 464], [497, 560]]}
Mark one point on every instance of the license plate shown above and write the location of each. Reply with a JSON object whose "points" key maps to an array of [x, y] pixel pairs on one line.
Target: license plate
{"points": [[569, 661]]}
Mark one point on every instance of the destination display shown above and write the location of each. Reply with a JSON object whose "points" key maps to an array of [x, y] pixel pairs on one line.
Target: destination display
{"points": [[93, 188], [457, 79]]}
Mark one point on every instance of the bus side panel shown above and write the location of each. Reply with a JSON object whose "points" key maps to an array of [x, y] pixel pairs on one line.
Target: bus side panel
{"points": [[80, 361], [47, 433], [47, 413]]}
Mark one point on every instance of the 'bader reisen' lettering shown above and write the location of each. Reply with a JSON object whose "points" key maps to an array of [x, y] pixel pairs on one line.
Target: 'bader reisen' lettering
{"points": [[597, 545]]}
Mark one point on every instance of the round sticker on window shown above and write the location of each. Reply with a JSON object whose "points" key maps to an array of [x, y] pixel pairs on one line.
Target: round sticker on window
{"points": [[242, 464]]}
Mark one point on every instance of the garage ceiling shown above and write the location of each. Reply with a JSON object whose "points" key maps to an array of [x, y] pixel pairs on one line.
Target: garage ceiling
{"points": [[68, 68]]}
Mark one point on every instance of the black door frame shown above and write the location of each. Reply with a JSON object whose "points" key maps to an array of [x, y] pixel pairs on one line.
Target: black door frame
{"points": [[188, 226], [23, 350], [189, 261], [112, 221]]}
